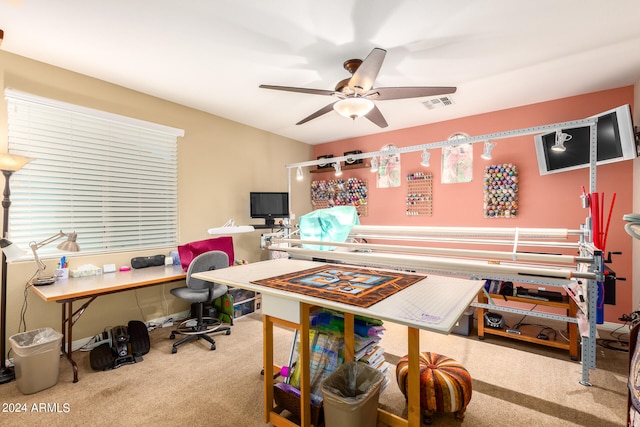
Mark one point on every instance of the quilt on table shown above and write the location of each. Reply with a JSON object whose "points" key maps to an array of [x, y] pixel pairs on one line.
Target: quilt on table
{"points": [[360, 287]]}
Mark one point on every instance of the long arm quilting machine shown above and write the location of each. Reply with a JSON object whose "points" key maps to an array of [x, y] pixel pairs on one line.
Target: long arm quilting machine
{"points": [[532, 258]]}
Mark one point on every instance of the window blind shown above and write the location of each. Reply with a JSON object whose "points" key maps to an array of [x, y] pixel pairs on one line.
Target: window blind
{"points": [[110, 178]]}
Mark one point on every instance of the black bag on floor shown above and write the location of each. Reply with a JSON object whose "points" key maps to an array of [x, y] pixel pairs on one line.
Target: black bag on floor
{"points": [[124, 345]]}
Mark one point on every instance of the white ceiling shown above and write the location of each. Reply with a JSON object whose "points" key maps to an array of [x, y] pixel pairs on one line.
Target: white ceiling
{"points": [[213, 55]]}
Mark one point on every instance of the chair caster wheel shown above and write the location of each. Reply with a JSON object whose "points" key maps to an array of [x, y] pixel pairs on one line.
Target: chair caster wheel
{"points": [[213, 346], [174, 350], [172, 336], [228, 332]]}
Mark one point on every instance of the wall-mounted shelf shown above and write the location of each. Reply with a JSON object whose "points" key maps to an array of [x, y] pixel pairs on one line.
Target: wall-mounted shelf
{"points": [[343, 167]]}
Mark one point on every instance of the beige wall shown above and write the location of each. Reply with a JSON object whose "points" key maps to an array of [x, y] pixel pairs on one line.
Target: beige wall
{"points": [[219, 163]]}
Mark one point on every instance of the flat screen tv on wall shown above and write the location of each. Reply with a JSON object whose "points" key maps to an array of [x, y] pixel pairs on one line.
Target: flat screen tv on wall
{"points": [[269, 205], [615, 142]]}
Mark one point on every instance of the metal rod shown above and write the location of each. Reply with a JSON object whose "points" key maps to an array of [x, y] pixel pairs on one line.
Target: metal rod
{"points": [[471, 139], [541, 243], [486, 255], [447, 266], [528, 233]]}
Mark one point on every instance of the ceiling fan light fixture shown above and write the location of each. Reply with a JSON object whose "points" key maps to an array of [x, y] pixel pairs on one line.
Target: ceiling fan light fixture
{"points": [[353, 107], [356, 92]]}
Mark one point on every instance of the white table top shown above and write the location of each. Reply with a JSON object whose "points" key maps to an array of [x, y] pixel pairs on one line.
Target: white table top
{"points": [[227, 230], [88, 286], [434, 303]]}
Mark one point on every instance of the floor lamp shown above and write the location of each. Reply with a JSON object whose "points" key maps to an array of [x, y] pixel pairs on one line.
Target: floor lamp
{"points": [[8, 165]]}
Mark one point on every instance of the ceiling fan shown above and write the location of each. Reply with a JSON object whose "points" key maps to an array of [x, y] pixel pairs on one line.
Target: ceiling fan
{"points": [[356, 93]]}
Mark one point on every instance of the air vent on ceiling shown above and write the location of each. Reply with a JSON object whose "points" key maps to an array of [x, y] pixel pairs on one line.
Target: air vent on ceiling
{"points": [[439, 102]]}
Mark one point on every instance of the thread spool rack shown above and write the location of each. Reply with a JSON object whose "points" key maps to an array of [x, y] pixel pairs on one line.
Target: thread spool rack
{"points": [[419, 194]]}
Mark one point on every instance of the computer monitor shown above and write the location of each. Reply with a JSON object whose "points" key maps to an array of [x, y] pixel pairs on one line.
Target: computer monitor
{"points": [[269, 205]]}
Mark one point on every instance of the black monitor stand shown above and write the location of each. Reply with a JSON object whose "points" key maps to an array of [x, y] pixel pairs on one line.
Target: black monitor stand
{"points": [[268, 223]]}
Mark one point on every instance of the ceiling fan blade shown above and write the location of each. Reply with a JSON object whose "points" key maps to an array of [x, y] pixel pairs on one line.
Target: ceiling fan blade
{"points": [[300, 89], [376, 117], [387, 93], [320, 112], [367, 72]]}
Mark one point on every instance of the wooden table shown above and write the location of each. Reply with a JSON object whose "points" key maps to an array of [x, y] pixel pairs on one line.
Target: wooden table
{"points": [[414, 307], [66, 291]]}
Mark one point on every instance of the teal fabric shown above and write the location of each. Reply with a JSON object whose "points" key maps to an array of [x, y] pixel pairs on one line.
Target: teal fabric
{"points": [[328, 225]]}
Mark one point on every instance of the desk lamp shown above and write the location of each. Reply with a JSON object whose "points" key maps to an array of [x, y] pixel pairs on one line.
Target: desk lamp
{"points": [[68, 245], [8, 165]]}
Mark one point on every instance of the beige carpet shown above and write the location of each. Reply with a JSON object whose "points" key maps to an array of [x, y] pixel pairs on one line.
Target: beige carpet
{"points": [[527, 385]]}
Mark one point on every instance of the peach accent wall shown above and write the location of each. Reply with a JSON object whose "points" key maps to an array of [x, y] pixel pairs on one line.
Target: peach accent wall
{"points": [[544, 201]]}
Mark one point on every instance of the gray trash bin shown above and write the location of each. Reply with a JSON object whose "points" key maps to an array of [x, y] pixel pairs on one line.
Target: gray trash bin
{"points": [[36, 359], [350, 396]]}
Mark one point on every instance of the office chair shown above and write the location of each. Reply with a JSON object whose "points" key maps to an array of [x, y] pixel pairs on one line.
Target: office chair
{"points": [[198, 293]]}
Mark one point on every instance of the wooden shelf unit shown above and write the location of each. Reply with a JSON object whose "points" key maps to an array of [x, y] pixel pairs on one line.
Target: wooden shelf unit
{"points": [[343, 167], [567, 304]]}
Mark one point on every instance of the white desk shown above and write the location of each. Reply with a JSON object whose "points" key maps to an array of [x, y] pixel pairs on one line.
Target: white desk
{"points": [[409, 307], [66, 291]]}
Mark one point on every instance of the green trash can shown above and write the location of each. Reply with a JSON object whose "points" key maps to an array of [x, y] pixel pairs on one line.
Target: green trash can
{"points": [[350, 396], [36, 359]]}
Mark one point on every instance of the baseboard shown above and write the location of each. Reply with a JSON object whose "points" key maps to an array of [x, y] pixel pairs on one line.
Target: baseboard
{"points": [[159, 322], [611, 326]]}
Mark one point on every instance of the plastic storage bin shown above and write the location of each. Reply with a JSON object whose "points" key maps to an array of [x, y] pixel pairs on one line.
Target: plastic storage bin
{"points": [[350, 396], [36, 359], [464, 325]]}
